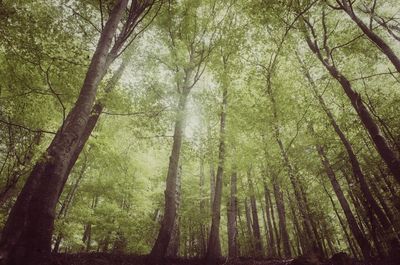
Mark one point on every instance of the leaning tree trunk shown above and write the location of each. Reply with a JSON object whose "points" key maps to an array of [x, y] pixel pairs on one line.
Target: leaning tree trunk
{"points": [[27, 234], [214, 246], [380, 142], [375, 38], [232, 214], [361, 240]]}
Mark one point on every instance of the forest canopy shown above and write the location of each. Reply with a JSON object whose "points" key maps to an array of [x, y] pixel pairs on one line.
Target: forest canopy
{"points": [[202, 130]]}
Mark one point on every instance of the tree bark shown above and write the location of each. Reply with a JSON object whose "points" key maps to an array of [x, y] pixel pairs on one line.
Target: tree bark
{"points": [[380, 142], [159, 249], [26, 237], [258, 249], [203, 226], [173, 246], [355, 165], [280, 205], [361, 240], [268, 207], [375, 38], [214, 246], [232, 214]]}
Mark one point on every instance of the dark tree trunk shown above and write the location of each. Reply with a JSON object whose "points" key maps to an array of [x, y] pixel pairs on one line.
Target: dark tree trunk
{"points": [[362, 241], [380, 142], [214, 246], [249, 226], [280, 205], [346, 5], [277, 236], [268, 207], [363, 112], [258, 249], [26, 237], [232, 214]]}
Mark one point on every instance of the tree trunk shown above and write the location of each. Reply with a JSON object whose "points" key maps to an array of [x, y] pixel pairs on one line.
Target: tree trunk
{"points": [[26, 237], [268, 206], [361, 240], [280, 205], [159, 249], [173, 246], [380, 142], [362, 111], [214, 246], [375, 38], [249, 226], [258, 249], [203, 226], [232, 213]]}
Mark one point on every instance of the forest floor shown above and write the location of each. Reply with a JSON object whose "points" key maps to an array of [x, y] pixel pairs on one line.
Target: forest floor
{"points": [[125, 259]]}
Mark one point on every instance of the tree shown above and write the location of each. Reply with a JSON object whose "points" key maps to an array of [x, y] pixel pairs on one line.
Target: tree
{"points": [[27, 235]]}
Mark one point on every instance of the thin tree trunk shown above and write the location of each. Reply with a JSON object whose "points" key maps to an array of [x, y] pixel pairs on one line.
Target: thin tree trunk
{"points": [[280, 205], [268, 207], [362, 241], [348, 238], [249, 226], [232, 213], [258, 249], [203, 227], [277, 236]]}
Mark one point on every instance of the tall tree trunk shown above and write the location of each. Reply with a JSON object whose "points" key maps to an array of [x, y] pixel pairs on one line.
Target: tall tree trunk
{"points": [[280, 205], [290, 170], [301, 238], [348, 238], [232, 214], [212, 170], [203, 226], [258, 249], [249, 226], [268, 207], [277, 236], [355, 165], [173, 246], [380, 142], [347, 7], [361, 240], [27, 234], [159, 249], [214, 246]]}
